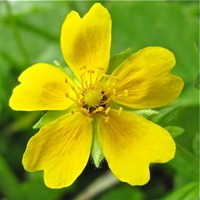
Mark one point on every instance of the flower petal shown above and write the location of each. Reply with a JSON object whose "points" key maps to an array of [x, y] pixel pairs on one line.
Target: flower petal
{"points": [[42, 87], [61, 149], [130, 143], [85, 42], [145, 75]]}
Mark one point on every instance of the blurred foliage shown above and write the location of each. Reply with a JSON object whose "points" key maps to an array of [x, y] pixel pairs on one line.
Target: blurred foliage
{"points": [[30, 33]]}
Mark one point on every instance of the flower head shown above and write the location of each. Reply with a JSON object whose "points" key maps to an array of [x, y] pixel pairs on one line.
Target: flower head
{"points": [[95, 122]]}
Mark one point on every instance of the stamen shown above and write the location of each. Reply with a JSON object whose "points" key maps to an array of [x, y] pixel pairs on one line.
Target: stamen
{"points": [[82, 67], [82, 82], [99, 70], [72, 87], [85, 110], [115, 78], [67, 95], [106, 119], [125, 94], [107, 111], [108, 99], [98, 109], [105, 76], [72, 112], [90, 72], [89, 119], [120, 110], [66, 81]]}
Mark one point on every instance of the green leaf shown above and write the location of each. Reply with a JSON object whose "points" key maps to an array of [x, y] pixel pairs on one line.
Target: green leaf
{"points": [[67, 70], [9, 182], [35, 184], [197, 81], [23, 122], [49, 117], [189, 191], [195, 144], [185, 163], [122, 192], [116, 60], [148, 113], [175, 131], [166, 115]]}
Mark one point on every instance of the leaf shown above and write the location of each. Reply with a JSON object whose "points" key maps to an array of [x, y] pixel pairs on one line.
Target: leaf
{"points": [[166, 115], [9, 182], [195, 144], [48, 117], [23, 122], [35, 184], [148, 113], [175, 131], [197, 81], [67, 70], [122, 192], [116, 60], [185, 163], [189, 191]]}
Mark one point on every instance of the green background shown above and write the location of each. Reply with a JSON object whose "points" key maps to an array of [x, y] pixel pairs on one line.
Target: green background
{"points": [[30, 33]]}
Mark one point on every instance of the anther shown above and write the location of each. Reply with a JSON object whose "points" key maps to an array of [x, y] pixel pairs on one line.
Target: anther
{"points": [[72, 112], [120, 110], [98, 109], [115, 78], [106, 119], [100, 68], [107, 110], [82, 67], [90, 71], [106, 75], [89, 119], [67, 95], [125, 94], [85, 110]]}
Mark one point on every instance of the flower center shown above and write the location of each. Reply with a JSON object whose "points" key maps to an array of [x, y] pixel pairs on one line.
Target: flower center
{"points": [[92, 97], [94, 100], [93, 94]]}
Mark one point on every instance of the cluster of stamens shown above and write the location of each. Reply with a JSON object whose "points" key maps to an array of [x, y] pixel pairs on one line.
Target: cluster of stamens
{"points": [[92, 96]]}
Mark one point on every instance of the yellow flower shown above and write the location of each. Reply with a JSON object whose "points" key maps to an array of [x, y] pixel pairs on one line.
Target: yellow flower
{"points": [[95, 121]]}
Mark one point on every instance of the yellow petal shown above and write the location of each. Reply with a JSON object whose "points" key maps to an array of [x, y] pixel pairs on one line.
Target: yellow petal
{"points": [[146, 78], [130, 143], [42, 87], [85, 42], [61, 149]]}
